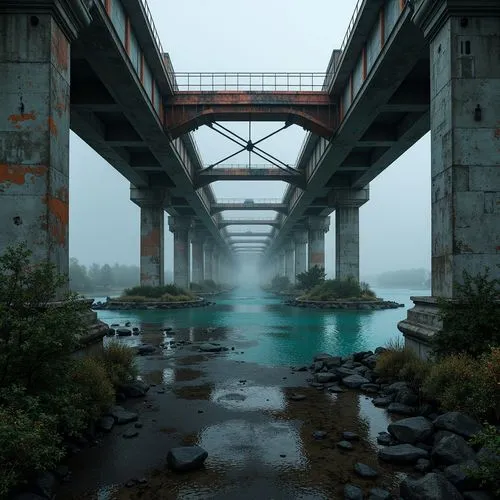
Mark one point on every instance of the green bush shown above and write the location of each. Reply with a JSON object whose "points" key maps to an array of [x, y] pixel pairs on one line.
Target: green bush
{"points": [[414, 372], [462, 383], [119, 363], [280, 283], [340, 289], [488, 471], [471, 322], [394, 359], [311, 278], [153, 292]]}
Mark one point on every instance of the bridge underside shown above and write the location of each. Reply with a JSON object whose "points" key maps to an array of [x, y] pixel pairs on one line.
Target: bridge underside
{"points": [[312, 110]]}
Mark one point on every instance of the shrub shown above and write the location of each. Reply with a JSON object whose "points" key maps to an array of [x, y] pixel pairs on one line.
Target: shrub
{"points": [[29, 442], [462, 383], [414, 372], [394, 359], [471, 322], [280, 283], [488, 471], [119, 363], [340, 289], [153, 292], [311, 278]]}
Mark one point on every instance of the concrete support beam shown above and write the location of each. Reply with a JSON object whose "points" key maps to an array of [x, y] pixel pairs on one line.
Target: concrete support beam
{"points": [[300, 238], [152, 253], [464, 42], [180, 227], [209, 249], [346, 203], [216, 265], [198, 238], [317, 227], [290, 261], [34, 126]]}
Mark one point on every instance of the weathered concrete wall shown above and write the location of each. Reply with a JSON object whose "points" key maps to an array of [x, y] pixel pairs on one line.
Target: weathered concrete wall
{"points": [[198, 259], [208, 248], [465, 74], [34, 136], [300, 239], [152, 245], [180, 227], [290, 261], [347, 242], [317, 226]]}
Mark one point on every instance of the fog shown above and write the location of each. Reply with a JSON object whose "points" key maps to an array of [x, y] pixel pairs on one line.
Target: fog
{"points": [[257, 35]]}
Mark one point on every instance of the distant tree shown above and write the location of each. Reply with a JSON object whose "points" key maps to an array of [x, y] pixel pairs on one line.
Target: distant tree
{"points": [[279, 283], [94, 274], [404, 278], [106, 276], [309, 279], [78, 278]]}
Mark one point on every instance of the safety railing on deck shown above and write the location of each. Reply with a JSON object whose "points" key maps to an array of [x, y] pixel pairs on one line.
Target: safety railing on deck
{"points": [[253, 201], [258, 82], [246, 166]]}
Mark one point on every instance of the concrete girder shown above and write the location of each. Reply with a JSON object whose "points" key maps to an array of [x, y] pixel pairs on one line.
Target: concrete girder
{"points": [[218, 207], [249, 222]]}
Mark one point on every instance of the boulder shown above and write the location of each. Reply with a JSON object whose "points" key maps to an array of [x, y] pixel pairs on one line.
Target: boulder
{"points": [[210, 348], [365, 471], [324, 378], [385, 439], [350, 436], [322, 356], [423, 465], [344, 372], [123, 332], [379, 494], [401, 409], [333, 362], [130, 433], [460, 475], [406, 397], [430, 487], [106, 423], [371, 361], [354, 381], [352, 492], [452, 450], [383, 401], [297, 397], [396, 387], [345, 445], [134, 389], [335, 389], [186, 458], [146, 349], [411, 430], [459, 423], [122, 416], [402, 454]]}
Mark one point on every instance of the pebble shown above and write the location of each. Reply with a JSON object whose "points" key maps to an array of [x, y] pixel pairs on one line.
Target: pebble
{"points": [[319, 434], [345, 445], [297, 397], [364, 470]]}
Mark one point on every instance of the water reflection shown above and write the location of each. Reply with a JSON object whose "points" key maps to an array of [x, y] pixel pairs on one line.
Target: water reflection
{"points": [[253, 398]]}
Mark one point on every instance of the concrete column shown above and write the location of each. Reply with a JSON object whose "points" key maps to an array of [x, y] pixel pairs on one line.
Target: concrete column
{"points": [[464, 45], [215, 265], [300, 237], [34, 126], [290, 261], [198, 239], [317, 226], [152, 255], [180, 227], [282, 265], [346, 203], [209, 248]]}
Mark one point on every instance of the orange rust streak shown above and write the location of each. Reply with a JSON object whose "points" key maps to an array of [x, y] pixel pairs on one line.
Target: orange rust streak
{"points": [[15, 119], [59, 210], [150, 244], [52, 126], [16, 174]]}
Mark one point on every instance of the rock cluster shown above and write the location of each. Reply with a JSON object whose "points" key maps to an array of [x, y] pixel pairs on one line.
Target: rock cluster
{"points": [[357, 305], [118, 305], [436, 445]]}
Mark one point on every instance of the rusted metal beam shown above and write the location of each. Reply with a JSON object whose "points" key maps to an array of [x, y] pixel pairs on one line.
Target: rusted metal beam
{"points": [[312, 110]]}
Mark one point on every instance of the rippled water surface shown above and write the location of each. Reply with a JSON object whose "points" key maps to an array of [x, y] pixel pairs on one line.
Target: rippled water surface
{"points": [[273, 333]]}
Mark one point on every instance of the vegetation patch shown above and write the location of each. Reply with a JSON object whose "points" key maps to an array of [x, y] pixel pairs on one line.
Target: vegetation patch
{"points": [[340, 289], [165, 293]]}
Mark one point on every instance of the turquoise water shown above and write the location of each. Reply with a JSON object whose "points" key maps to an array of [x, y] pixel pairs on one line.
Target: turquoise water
{"points": [[265, 331]]}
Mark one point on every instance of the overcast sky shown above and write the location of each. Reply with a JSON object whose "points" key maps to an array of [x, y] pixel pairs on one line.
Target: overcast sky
{"points": [[256, 35]]}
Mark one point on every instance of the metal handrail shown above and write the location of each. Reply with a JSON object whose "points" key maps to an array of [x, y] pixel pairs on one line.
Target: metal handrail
{"points": [[247, 219], [351, 25], [264, 81], [239, 166], [248, 201], [156, 37]]}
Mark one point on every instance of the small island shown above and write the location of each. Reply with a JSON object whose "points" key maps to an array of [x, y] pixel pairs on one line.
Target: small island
{"points": [[313, 290]]}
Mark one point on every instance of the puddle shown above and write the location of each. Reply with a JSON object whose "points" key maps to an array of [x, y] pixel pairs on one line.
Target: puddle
{"points": [[252, 398]]}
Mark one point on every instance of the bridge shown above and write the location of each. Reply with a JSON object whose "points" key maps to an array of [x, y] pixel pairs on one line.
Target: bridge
{"points": [[404, 68]]}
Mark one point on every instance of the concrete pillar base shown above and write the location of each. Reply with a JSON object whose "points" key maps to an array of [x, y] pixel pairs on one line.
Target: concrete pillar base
{"points": [[180, 227], [421, 324]]}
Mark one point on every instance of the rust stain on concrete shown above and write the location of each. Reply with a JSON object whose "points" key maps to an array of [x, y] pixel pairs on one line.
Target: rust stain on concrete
{"points": [[16, 174], [60, 49], [150, 243], [58, 216], [15, 119], [52, 126]]}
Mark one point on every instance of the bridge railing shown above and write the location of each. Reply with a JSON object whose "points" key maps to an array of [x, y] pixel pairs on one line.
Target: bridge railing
{"points": [[257, 82], [238, 166], [248, 201]]}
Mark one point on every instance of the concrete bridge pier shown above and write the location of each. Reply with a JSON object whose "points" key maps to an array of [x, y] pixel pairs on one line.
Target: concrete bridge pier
{"points": [[152, 204], [282, 262], [180, 227], [34, 125], [216, 265], [198, 265], [209, 249], [290, 260], [317, 227], [347, 203], [465, 143], [300, 240]]}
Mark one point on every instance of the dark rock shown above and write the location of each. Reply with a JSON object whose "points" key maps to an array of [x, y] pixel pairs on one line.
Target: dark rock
{"points": [[145, 349], [459, 423], [110, 333], [382, 402], [379, 494], [335, 389], [321, 357], [401, 409], [423, 465], [361, 369], [186, 458], [364, 470], [123, 416], [123, 332], [345, 445], [344, 372], [407, 397], [45, 484], [350, 436], [371, 361], [317, 366], [352, 492], [424, 446], [324, 378], [411, 430], [130, 433], [477, 495], [370, 388], [106, 423], [402, 454], [210, 348], [134, 389], [452, 450], [396, 387], [385, 439], [430, 487], [333, 362], [354, 381], [297, 397], [319, 434], [300, 368], [460, 475], [440, 435]]}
